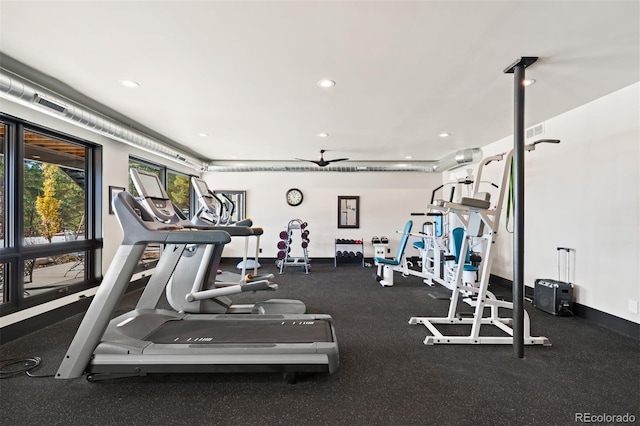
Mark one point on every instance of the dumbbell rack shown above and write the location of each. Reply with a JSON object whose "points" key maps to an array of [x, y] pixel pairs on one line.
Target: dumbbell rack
{"points": [[348, 250], [286, 243]]}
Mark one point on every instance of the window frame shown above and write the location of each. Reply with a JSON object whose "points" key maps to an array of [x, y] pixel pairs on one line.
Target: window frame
{"points": [[15, 252]]}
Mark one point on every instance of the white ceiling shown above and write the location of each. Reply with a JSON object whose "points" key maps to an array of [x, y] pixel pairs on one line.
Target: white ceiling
{"points": [[245, 72]]}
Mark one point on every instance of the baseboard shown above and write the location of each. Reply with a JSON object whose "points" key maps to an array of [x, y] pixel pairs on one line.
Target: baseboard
{"points": [[610, 322], [38, 322]]}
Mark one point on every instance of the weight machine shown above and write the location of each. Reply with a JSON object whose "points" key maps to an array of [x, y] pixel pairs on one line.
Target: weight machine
{"points": [[386, 267], [435, 245], [480, 222]]}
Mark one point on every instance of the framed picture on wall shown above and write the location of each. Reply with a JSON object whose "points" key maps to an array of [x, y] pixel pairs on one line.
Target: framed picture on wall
{"points": [[348, 211], [113, 190]]}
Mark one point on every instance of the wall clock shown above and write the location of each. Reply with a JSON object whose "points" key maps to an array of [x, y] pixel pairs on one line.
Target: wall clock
{"points": [[294, 197]]}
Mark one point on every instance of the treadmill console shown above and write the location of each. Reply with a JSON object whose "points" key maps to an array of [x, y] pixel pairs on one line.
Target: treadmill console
{"points": [[205, 195], [154, 197]]}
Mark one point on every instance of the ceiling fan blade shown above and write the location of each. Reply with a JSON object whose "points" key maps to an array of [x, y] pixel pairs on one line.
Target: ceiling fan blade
{"points": [[322, 162], [319, 163]]}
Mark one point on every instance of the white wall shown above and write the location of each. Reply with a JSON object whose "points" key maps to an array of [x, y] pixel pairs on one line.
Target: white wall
{"points": [[584, 194], [386, 201]]}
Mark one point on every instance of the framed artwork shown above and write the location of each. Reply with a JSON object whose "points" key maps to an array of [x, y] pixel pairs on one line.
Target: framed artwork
{"points": [[113, 190], [348, 211]]}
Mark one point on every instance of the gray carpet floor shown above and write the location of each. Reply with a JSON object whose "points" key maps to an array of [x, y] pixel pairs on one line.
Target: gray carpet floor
{"points": [[386, 375]]}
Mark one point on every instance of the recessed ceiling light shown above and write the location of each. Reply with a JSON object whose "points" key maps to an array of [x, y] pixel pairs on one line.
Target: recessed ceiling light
{"points": [[528, 82], [444, 134], [325, 84], [203, 134], [323, 135], [408, 157], [130, 84]]}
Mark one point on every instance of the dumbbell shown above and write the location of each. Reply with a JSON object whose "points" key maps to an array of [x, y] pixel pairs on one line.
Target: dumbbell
{"points": [[304, 244], [304, 235], [284, 235], [282, 254], [303, 225], [282, 245]]}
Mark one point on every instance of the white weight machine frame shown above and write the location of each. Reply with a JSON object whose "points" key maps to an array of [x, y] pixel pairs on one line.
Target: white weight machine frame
{"points": [[466, 211], [435, 249]]}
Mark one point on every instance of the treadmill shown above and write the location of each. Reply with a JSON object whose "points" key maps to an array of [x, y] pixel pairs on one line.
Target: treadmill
{"points": [[149, 340], [193, 285]]}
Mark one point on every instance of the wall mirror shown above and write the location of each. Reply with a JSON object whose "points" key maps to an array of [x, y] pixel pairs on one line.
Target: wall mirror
{"points": [[348, 211]]}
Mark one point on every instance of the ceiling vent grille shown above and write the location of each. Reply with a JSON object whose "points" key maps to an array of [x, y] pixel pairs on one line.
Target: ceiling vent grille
{"points": [[44, 101]]}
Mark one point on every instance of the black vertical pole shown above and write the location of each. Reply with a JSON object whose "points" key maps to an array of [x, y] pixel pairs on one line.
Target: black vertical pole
{"points": [[518, 174]]}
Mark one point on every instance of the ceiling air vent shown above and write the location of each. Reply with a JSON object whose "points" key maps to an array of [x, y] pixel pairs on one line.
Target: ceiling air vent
{"points": [[42, 100], [534, 131]]}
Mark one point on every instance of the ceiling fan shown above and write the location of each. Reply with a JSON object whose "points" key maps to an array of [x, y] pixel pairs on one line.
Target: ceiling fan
{"points": [[322, 162]]}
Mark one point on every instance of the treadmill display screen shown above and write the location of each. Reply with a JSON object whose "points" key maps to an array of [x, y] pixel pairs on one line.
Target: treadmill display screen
{"points": [[201, 187], [151, 186]]}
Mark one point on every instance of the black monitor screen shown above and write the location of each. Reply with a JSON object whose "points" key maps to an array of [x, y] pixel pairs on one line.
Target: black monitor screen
{"points": [[151, 185]]}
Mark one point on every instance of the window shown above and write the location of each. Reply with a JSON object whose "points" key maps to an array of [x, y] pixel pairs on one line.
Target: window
{"points": [[3, 266], [179, 191], [54, 189], [2, 139], [50, 227]]}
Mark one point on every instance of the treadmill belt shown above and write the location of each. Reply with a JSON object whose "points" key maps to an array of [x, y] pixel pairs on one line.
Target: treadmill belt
{"points": [[241, 331]]}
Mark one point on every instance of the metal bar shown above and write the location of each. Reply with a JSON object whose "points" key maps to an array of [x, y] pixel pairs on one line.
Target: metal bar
{"points": [[518, 236]]}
